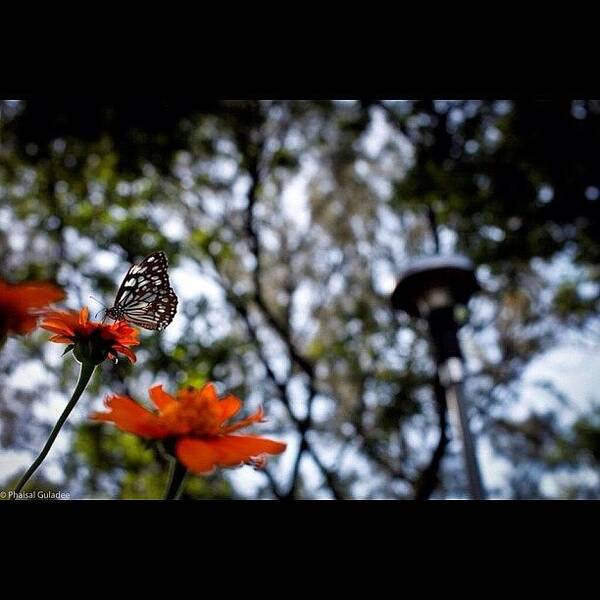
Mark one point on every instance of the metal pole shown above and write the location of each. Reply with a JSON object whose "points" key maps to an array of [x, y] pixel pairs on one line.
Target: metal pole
{"points": [[451, 378], [430, 289]]}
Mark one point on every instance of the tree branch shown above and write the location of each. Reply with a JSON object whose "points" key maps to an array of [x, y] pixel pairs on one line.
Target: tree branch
{"points": [[302, 425]]}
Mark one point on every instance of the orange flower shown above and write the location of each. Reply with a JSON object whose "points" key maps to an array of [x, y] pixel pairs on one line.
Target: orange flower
{"points": [[21, 305], [90, 340], [196, 421]]}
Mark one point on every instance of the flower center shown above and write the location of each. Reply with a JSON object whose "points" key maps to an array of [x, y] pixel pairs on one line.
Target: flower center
{"points": [[192, 415]]}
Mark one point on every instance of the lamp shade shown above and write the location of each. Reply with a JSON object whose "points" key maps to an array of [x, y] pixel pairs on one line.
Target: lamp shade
{"points": [[434, 282]]}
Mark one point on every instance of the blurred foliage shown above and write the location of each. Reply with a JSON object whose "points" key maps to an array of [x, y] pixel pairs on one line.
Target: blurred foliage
{"points": [[285, 223], [139, 468], [525, 173]]}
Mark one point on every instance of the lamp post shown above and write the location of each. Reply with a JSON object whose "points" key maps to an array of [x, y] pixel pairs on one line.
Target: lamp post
{"points": [[430, 288]]}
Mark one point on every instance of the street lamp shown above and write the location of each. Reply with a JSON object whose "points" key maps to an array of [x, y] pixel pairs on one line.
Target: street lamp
{"points": [[430, 289]]}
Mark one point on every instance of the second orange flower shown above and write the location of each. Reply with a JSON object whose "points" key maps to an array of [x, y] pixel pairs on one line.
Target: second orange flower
{"points": [[196, 421]]}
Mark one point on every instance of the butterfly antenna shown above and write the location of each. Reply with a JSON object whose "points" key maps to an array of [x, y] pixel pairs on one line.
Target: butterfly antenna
{"points": [[103, 309], [98, 301]]}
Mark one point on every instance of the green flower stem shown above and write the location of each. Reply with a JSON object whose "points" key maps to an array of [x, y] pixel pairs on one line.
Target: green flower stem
{"points": [[177, 473], [85, 374]]}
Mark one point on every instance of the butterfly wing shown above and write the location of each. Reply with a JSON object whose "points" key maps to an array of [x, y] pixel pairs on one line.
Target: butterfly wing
{"points": [[145, 297]]}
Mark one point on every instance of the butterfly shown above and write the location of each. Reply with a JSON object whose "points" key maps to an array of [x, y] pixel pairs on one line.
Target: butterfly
{"points": [[146, 297]]}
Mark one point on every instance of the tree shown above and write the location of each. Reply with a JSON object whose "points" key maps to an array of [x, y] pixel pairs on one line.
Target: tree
{"points": [[286, 223]]}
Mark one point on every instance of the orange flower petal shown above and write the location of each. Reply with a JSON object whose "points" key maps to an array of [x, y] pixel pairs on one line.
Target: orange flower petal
{"points": [[60, 320], [256, 417], [50, 326], [22, 323], [38, 295], [31, 295], [230, 405], [84, 315], [234, 448], [126, 351], [129, 341], [197, 455], [202, 455], [159, 397], [61, 339], [209, 391], [21, 305], [129, 416]]}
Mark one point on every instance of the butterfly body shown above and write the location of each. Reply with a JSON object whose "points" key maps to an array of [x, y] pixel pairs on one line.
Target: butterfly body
{"points": [[146, 297]]}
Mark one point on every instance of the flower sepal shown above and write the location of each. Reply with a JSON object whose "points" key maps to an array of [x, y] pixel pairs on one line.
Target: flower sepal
{"points": [[92, 349], [68, 349]]}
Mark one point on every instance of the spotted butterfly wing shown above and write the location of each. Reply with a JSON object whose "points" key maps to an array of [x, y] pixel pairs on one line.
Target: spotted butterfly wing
{"points": [[145, 297]]}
